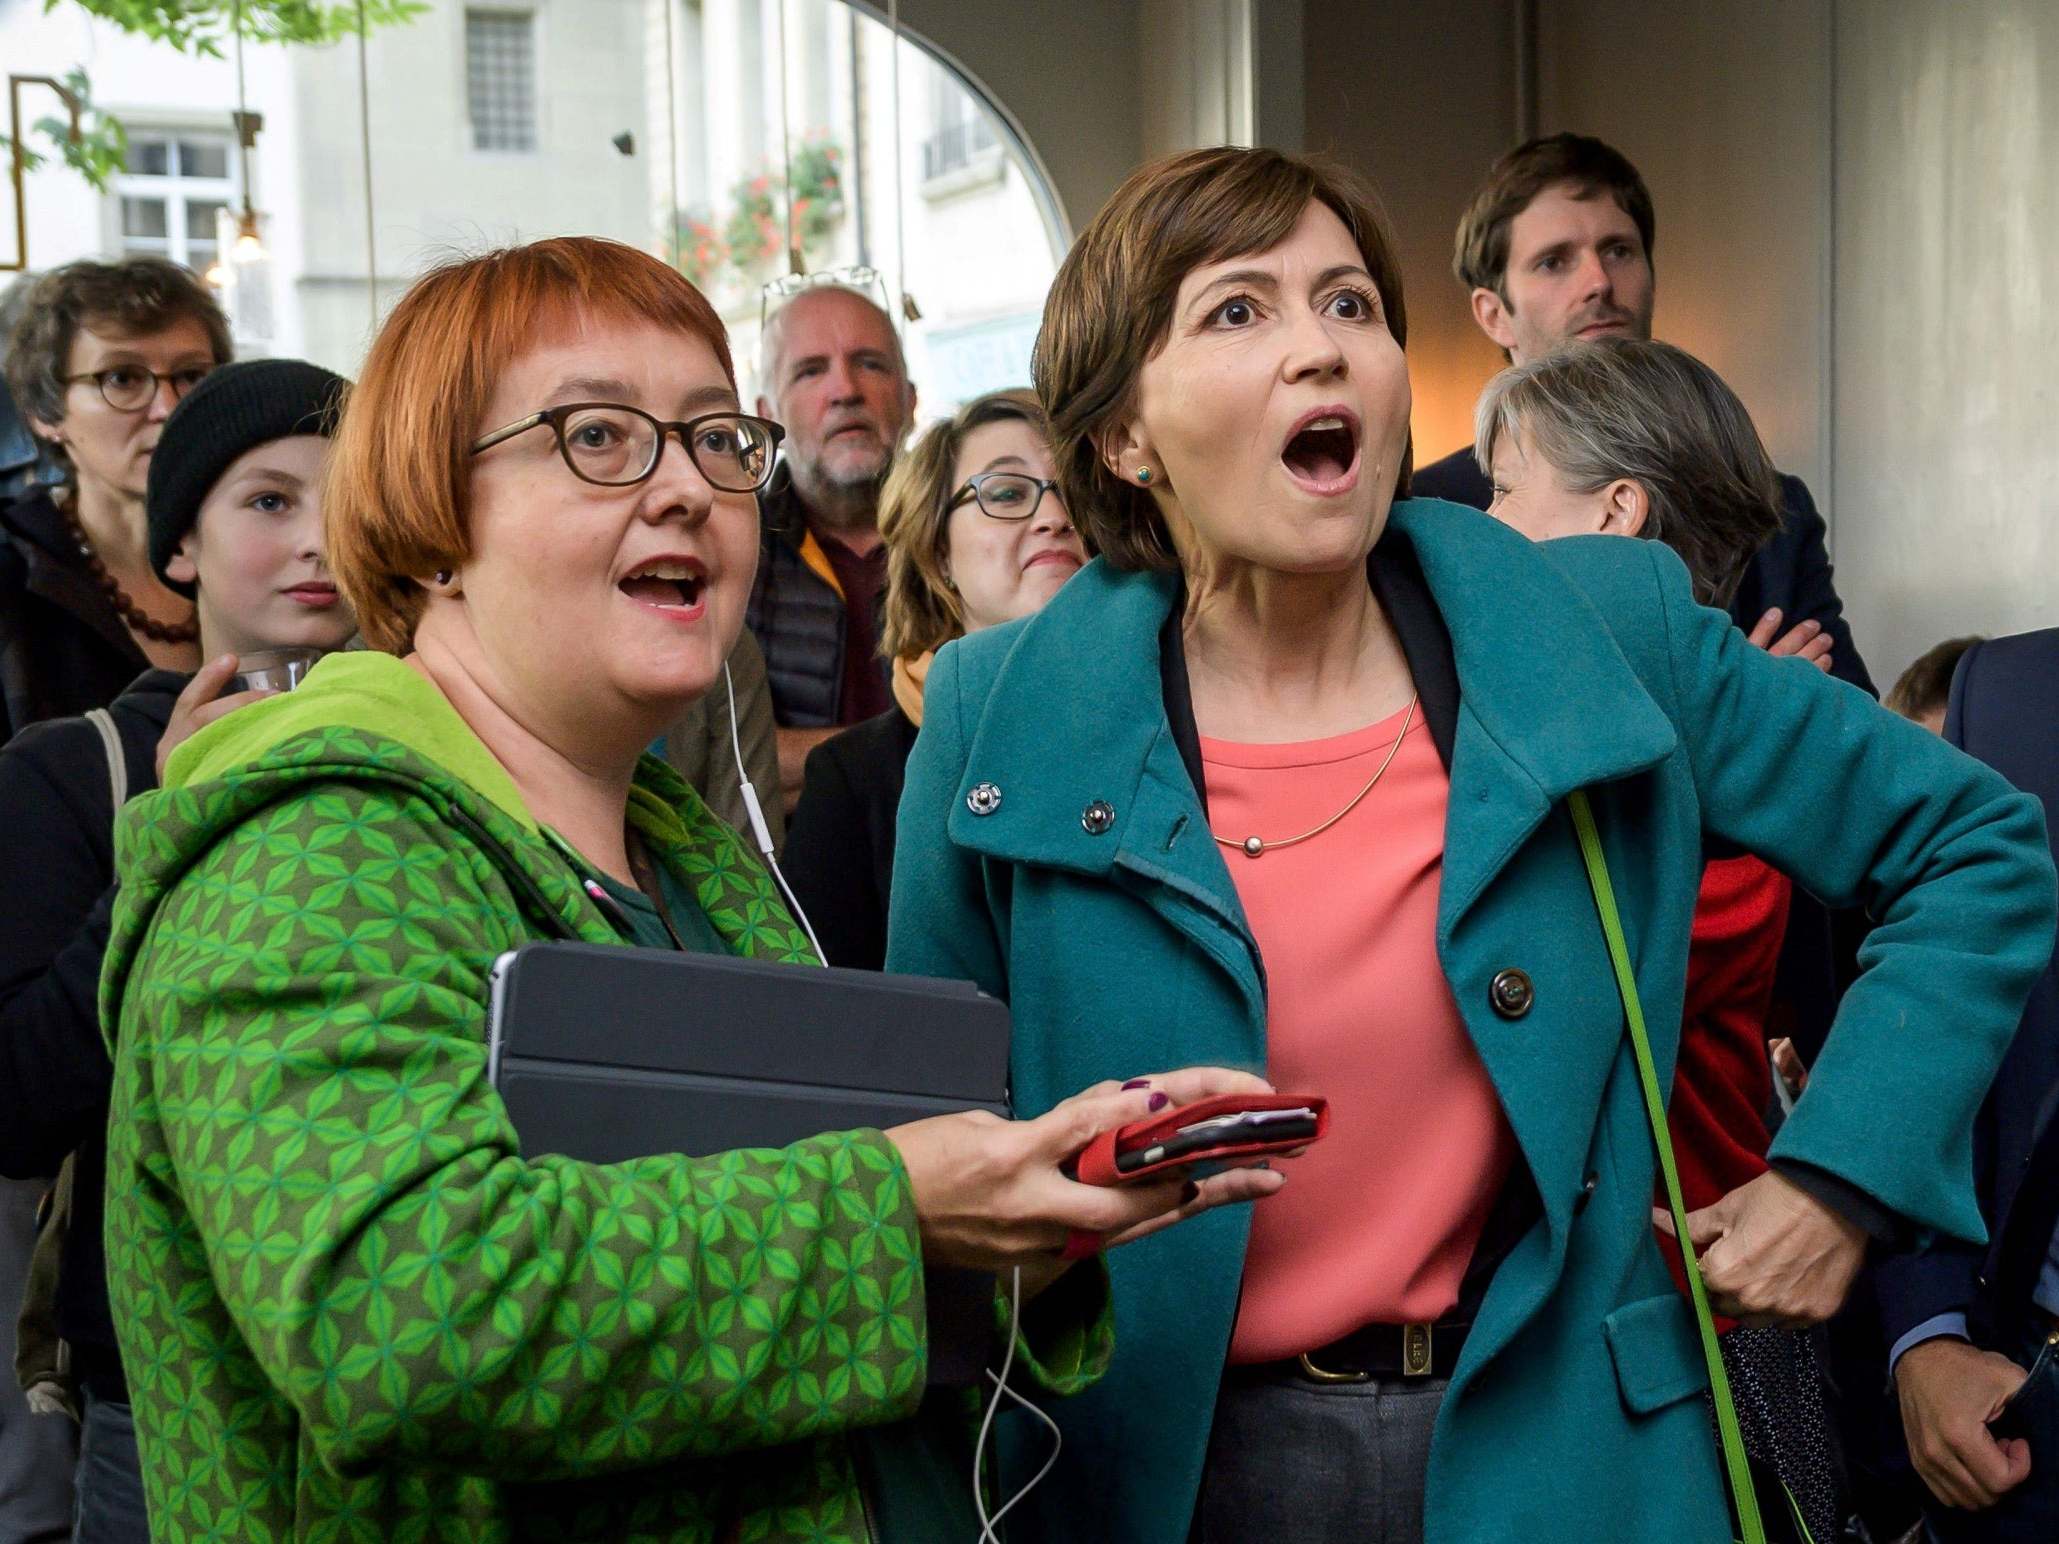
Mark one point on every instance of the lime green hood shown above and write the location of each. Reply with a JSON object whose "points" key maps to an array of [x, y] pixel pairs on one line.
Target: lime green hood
{"points": [[372, 693], [373, 724]]}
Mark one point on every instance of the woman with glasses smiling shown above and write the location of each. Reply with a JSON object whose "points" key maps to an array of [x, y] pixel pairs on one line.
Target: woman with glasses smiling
{"points": [[976, 534], [101, 354], [347, 1301]]}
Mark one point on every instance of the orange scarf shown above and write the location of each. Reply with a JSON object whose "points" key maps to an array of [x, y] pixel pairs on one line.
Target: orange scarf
{"points": [[909, 674]]}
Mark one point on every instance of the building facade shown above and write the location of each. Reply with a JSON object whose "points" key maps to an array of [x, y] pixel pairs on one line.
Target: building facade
{"points": [[676, 125]]}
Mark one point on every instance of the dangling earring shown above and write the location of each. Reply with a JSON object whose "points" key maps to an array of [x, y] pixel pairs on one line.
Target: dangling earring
{"points": [[1143, 474]]}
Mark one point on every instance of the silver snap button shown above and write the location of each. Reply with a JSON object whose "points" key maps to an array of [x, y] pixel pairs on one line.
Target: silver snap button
{"points": [[1097, 817], [984, 799]]}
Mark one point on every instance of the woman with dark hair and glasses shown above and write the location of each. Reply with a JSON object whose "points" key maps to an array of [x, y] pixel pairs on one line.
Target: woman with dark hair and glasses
{"points": [[100, 355], [346, 1300], [976, 534]]}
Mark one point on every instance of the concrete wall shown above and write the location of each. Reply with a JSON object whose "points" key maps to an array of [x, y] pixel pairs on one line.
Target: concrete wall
{"points": [[434, 194], [1419, 99], [1947, 320], [1725, 109]]}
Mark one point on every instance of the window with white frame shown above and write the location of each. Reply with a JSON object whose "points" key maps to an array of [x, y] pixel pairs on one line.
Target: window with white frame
{"points": [[170, 189], [500, 78], [960, 135]]}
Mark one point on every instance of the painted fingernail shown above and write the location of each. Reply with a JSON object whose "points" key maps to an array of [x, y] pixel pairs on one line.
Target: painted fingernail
{"points": [[1160, 1101], [1136, 1083]]}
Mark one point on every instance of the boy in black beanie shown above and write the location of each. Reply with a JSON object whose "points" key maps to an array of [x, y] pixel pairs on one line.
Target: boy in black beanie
{"points": [[234, 511]]}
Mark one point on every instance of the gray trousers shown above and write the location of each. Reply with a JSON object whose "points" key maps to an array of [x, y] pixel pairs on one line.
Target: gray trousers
{"points": [[36, 1451], [1340, 1463]]}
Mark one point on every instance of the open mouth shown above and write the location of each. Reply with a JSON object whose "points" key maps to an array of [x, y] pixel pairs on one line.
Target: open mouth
{"points": [[1322, 454], [667, 584]]}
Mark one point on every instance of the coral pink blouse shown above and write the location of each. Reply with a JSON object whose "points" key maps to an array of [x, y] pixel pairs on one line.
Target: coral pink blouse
{"points": [[1377, 1221]]}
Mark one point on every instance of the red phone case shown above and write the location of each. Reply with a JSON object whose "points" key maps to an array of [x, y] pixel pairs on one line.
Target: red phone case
{"points": [[1096, 1162]]}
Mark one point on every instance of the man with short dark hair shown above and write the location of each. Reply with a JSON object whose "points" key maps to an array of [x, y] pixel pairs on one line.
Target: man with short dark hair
{"points": [[1557, 246], [831, 370]]}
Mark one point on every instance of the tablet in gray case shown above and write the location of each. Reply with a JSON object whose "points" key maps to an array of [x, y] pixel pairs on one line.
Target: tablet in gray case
{"points": [[605, 1054]]}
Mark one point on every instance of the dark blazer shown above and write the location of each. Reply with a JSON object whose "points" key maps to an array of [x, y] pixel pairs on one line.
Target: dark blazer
{"points": [[1792, 571], [839, 854], [2004, 709]]}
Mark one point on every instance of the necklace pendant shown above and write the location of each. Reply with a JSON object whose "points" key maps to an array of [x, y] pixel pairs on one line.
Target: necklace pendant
{"points": [[1253, 846]]}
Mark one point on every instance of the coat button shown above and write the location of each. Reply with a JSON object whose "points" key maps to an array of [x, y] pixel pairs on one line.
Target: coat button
{"points": [[1511, 993], [984, 799], [1097, 817]]}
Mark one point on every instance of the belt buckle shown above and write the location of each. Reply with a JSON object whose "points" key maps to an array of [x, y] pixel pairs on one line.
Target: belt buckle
{"points": [[1317, 1374], [1415, 1351]]}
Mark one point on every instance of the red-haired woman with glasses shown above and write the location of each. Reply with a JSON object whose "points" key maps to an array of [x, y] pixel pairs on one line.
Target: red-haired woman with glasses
{"points": [[347, 1302]]}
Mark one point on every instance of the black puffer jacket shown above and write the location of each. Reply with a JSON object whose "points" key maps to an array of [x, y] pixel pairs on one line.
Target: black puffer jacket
{"points": [[54, 1072], [797, 616], [63, 649]]}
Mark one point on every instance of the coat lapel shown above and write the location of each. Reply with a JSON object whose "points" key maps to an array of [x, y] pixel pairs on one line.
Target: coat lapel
{"points": [[1547, 703], [1089, 663]]}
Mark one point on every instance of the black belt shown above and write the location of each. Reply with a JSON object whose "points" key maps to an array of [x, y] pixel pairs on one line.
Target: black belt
{"points": [[1379, 1351]]}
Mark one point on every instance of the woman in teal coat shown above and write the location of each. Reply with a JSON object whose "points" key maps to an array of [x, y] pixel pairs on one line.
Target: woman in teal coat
{"points": [[1280, 782]]}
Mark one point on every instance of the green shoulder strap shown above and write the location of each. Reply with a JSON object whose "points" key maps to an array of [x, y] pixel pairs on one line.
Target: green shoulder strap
{"points": [[1742, 1495]]}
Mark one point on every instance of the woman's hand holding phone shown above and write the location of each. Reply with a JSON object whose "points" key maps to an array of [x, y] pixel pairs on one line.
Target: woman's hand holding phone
{"points": [[991, 1194]]}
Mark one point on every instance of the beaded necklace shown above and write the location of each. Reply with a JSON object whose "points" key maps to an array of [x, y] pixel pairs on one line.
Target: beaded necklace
{"points": [[138, 620]]}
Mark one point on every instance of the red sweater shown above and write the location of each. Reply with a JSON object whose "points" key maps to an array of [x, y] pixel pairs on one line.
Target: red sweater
{"points": [[1723, 1082]]}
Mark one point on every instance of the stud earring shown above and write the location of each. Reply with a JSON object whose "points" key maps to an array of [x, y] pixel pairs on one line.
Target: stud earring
{"points": [[1143, 474]]}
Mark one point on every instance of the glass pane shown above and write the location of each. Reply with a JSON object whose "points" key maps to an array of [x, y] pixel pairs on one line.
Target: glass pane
{"points": [[500, 80], [203, 158], [200, 213], [149, 157], [200, 255], [143, 217]]}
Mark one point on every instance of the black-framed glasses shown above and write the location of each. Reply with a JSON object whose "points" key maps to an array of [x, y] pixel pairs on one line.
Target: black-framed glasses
{"points": [[617, 446], [1004, 495], [131, 388]]}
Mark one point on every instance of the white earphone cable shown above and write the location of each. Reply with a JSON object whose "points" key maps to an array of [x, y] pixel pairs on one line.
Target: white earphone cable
{"points": [[760, 831], [988, 1524]]}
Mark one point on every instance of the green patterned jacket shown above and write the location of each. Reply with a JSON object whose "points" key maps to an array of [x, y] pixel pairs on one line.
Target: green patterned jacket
{"points": [[348, 1308]]}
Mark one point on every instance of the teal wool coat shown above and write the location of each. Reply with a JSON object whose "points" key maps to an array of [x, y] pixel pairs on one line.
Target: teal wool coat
{"points": [[1575, 1411]]}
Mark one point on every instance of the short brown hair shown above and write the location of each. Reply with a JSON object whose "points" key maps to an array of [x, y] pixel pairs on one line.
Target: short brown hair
{"points": [[922, 612], [398, 485], [1480, 255], [1629, 407], [1111, 306], [1926, 686], [135, 295]]}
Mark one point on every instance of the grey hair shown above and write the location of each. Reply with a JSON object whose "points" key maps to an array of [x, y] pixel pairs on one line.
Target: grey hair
{"points": [[1632, 408], [773, 333]]}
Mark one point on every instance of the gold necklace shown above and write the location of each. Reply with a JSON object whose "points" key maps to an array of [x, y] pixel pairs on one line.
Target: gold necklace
{"points": [[1254, 847]]}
